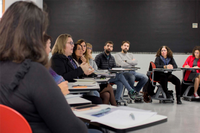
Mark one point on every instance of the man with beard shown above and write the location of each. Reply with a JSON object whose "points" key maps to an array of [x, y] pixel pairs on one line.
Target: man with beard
{"points": [[105, 60], [125, 59]]}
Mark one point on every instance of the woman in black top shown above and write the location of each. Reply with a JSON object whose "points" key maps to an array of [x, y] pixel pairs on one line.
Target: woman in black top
{"points": [[164, 59], [63, 64], [106, 91], [25, 84]]}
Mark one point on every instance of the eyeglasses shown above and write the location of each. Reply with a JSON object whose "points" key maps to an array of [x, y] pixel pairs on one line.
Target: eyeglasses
{"points": [[71, 43], [89, 48]]}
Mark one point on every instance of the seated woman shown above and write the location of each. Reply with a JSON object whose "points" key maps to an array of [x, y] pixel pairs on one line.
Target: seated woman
{"points": [[193, 61], [26, 85], [79, 58], [63, 64], [164, 59], [59, 79], [106, 91]]}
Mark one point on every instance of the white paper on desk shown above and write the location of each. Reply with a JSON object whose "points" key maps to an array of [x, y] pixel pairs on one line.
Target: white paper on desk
{"points": [[130, 109], [118, 68], [72, 96], [85, 83], [101, 71], [85, 80], [122, 117], [77, 100]]}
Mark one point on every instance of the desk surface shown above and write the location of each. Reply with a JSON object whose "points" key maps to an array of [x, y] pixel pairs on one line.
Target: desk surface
{"points": [[87, 89], [190, 68], [156, 119], [98, 80], [77, 100], [120, 69], [164, 69], [105, 73]]}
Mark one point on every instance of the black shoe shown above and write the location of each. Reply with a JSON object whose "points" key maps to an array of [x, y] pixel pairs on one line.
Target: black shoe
{"points": [[118, 103], [168, 96], [179, 100]]}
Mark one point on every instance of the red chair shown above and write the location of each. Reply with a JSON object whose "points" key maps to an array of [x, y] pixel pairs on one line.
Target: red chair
{"points": [[160, 94], [12, 122]]}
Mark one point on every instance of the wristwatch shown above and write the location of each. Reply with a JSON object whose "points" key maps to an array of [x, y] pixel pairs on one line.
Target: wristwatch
{"points": [[125, 60]]}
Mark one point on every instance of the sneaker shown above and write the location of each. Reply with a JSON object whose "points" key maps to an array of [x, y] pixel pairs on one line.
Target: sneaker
{"points": [[132, 94], [118, 103], [196, 95]]}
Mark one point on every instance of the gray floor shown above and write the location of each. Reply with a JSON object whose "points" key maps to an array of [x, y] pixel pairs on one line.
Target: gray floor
{"points": [[183, 118]]}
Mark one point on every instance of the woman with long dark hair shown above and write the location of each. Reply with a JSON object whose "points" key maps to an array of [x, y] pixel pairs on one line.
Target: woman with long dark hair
{"points": [[25, 83], [164, 59], [106, 90]]}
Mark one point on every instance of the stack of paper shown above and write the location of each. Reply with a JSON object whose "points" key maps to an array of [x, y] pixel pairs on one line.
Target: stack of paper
{"points": [[72, 96], [87, 82], [118, 68]]}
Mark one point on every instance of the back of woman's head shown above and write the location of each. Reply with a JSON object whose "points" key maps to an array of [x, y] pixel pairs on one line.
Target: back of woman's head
{"points": [[21, 33], [60, 44]]}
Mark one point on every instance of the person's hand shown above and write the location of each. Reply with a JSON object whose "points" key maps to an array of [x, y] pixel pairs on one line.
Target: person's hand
{"points": [[87, 69], [170, 66], [187, 66], [64, 87], [133, 59], [195, 67], [90, 56], [83, 59]]}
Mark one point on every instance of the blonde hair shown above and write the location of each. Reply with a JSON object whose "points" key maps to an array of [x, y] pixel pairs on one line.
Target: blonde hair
{"points": [[60, 44], [89, 45]]}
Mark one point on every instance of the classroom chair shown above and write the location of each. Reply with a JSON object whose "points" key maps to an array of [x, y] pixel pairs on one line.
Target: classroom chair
{"points": [[124, 96], [188, 93], [12, 122], [122, 100], [160, 94]]}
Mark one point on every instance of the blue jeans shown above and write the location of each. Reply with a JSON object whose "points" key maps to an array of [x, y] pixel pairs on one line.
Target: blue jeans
{"points": [[94, 93], [120, 80], [133, 76]]}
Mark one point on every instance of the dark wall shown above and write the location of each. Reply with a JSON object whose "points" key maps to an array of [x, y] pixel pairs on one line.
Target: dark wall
{"points": [[147, 24]]}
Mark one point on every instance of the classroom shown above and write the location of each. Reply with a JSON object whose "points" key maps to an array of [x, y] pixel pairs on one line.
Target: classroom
{"points": [[146, 26]]}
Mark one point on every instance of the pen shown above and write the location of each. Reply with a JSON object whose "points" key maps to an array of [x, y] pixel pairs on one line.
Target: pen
{"points": [[132, 116], [102, 111]]}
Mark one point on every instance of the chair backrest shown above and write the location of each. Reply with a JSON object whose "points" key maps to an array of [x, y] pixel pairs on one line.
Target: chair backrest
{"points": [[12, 122], [151, 67], [152, 64]]}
